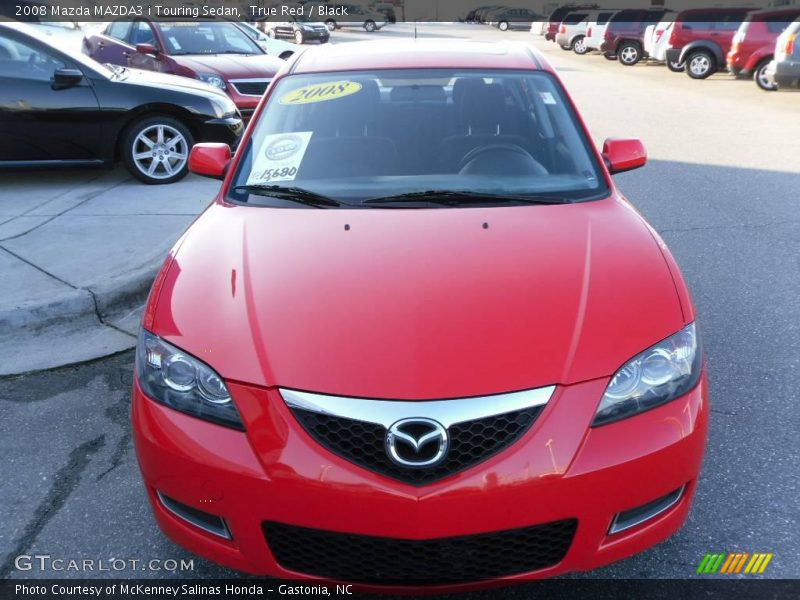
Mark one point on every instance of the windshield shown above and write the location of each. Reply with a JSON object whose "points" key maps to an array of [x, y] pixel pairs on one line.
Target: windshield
{"points": [[206, 38], [360, 136]]}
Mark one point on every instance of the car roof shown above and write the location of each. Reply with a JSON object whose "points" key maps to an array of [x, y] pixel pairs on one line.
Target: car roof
{"points": [[419, 54]]}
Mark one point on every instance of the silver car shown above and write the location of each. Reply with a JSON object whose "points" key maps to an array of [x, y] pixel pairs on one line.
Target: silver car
{"points": [[572, 31], [784, 70]]}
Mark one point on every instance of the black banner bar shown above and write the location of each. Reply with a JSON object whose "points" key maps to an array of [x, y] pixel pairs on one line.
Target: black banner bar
{"points": [[241, 589], [403, 10]]}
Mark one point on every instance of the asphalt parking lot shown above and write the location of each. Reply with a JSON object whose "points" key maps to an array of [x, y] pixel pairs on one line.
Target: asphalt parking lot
{"points": [[722, 188]]}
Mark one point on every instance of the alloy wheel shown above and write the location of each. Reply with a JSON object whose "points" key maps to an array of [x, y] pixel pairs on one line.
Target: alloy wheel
{"points": [[762, 80], [629, 55], [160, 151], [699, 65]]}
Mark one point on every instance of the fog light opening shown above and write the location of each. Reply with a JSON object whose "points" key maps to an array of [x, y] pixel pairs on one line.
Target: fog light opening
{"points": [[207, 522], [636, 516]]}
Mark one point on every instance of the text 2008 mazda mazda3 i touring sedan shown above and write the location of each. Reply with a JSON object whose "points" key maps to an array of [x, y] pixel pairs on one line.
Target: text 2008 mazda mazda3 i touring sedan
{"points": [[420, 337]]}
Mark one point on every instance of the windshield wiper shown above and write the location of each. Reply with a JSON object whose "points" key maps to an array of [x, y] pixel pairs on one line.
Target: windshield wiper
{"points": [[293, 194], [455, 198]]}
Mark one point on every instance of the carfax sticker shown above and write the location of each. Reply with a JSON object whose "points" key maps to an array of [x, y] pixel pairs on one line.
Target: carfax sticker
{"points": [[547, 97], [279, 157], [320, 92]]}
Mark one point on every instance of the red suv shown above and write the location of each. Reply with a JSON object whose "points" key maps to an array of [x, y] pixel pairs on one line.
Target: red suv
{"points": [[218, 53], [702, 37], [754, 44], [624, 37]]}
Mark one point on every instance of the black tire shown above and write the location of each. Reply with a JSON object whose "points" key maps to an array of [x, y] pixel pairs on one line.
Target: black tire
{"points": [[676, 67], [330, 24], [299, 38], [579, 46], [760, 79], [629, 53], [701, 64], [369, 26], [132, 148]]}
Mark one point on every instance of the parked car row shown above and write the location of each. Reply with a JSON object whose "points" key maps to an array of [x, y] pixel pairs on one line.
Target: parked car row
{"points": [[761, 44]]}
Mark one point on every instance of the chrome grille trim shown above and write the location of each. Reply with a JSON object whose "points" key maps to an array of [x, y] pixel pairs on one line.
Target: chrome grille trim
{"points": [[447, 412]]}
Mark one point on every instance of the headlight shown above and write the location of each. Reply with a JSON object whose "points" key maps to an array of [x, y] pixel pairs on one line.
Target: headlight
{"points": [[212, 79], [173, 378], [223, 106], [659, 374], [307, 28]]}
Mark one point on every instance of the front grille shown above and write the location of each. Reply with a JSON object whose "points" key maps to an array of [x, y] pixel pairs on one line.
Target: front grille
{"points": [[471, 442], [362, 558], [250, 87]]}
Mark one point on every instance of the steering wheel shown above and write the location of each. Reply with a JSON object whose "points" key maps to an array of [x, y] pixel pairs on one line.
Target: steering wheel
{"points": [[500, 159]]}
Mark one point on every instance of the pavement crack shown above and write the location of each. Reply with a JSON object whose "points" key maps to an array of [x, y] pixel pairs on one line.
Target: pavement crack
{"points": [[37, 267], [120, 450], [64, 483], [119, 414], [727, 413], [88, 197], [100, 317], [733, 226]]}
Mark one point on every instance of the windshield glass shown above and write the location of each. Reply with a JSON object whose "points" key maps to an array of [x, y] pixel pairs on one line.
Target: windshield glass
{"points": [[358, 136], [206, 38]]}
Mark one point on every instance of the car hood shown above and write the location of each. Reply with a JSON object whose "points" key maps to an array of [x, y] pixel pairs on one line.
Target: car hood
{"points": [[419, 303], [164, 81], [232, 66]]}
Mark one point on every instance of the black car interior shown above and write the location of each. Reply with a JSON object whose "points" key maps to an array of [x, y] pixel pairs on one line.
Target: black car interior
{"points": [[474, 127]]}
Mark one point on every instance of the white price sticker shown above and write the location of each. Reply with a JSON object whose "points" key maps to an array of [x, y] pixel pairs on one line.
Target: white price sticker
{"points": [[279, 157]]}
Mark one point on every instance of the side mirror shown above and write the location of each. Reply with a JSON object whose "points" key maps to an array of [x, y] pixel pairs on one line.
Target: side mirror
{"points": [[624, 154], [147, 49], [66, 78], [210, 160]]}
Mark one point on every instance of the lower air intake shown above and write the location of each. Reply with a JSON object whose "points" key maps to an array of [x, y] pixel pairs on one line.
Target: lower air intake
{"points": [[361, 558]]}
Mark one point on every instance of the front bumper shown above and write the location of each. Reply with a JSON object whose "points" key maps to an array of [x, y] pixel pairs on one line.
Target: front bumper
{"points": [[560, 469], [314, 35], [226, 130], [785, 73]]}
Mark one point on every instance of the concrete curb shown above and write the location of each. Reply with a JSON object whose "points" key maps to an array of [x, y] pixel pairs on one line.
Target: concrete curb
{"points": [[75, 326], [99, 301]]}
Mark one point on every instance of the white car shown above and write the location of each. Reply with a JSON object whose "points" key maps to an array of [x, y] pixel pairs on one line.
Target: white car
{"points": [[272, 46], [596, 28], [656, 43], [538, 27]]}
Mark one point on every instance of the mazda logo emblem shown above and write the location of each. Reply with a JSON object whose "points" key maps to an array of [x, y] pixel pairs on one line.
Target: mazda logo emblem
{"points": [[417, 442]]}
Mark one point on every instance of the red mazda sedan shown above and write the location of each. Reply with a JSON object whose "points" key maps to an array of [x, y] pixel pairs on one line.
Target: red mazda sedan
{"points": [[420, 338]]}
